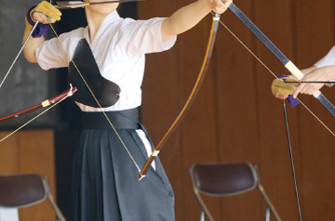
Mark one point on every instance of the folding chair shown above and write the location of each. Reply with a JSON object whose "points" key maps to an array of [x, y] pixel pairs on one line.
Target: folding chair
{"points": [[18, 191], [226, 179]]}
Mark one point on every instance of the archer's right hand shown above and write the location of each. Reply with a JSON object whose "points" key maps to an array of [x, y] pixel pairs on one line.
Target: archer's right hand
{"points": [[45, 12]]}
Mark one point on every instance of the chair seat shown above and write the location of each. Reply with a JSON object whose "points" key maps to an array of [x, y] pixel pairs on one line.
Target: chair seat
{"points": [[21, 190]]}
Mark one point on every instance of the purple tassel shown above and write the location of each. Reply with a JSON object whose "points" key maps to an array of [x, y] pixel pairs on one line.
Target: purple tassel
{"points": [[293, 102]]}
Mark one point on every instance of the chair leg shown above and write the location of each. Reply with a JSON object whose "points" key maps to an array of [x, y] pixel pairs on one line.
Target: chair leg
{"points": [[267, 214], [60, 216], [202, 216], [205, 212], [268, 202]]}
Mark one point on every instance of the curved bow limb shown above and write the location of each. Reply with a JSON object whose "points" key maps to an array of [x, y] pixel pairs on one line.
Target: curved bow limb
{"points": [[43, 104], [195, 90], [286, 62], [37, 106]]}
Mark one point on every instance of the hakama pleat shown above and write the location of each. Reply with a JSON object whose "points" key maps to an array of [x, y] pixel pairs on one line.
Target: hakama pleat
{"points": [[106, 185]]}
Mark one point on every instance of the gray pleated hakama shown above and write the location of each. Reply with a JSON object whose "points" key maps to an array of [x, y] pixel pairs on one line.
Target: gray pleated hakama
{"points": [[106, 185]]}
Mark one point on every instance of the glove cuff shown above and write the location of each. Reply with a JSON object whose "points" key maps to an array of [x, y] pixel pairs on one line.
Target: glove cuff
{"points": [[41, 28], [293, 102]]}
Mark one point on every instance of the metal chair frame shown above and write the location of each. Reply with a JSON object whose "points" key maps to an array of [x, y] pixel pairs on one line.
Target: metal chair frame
{"points": [[24, 190], [226, 179]]}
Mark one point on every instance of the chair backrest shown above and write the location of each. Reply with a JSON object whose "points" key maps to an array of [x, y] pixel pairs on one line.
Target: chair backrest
{"points": [[23, 190], [225, 179]]}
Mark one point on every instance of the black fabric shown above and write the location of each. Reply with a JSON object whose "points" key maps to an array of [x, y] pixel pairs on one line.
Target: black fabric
{"points": [[127, 119], [105, 91], [106, 186]]}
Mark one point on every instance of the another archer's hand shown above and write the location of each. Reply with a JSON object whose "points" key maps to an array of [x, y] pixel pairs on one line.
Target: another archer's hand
{"points": [[322, 74], [281, 89]]}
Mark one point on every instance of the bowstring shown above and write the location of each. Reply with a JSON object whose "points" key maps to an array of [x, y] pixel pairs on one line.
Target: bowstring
{"points": [[96, 100], [271, 72], [190, 99], [18, 54], [43, 112], [34, 118], [102, 110]]}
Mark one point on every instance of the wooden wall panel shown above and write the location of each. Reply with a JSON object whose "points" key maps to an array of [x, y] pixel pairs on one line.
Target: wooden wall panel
{"points": [[161, 103], [236, 86], [274, 19], [236, 118], [314, 37], [200, 119], [30, 152]]}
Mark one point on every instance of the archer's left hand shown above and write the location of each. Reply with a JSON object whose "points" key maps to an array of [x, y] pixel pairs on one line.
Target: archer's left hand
{"points": [[220, 6]]}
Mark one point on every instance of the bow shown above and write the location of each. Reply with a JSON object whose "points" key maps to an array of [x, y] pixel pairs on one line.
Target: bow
{"points": [[66, 5], [281, 57], [293, 70], [194, 91], [196, 87], [54, 101], [43, 104]]}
